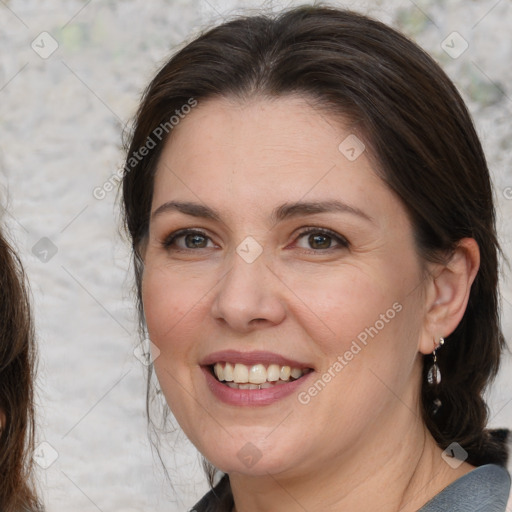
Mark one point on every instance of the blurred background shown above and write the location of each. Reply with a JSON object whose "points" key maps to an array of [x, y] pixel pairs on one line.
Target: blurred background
{"points": [[71, 75]]}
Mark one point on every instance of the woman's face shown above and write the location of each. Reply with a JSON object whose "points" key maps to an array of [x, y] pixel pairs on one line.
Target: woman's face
{"points": [[274, 249]]}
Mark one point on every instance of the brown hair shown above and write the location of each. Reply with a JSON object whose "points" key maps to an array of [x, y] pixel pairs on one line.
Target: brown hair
{"points": [[17, 363], [416, 127]]}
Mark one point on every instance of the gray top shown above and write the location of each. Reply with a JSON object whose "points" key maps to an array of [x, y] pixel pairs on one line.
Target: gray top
{"points": [[485, 489]]}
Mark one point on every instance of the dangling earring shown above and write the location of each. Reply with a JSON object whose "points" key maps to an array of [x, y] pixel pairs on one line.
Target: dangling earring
{"points": [[434, 374]]}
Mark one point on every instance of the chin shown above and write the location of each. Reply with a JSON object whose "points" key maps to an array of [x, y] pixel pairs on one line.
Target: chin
{"points": [[240, 454]]}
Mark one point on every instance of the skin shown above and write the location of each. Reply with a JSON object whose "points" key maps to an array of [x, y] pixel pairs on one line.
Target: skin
{"points": [[360, 444]]}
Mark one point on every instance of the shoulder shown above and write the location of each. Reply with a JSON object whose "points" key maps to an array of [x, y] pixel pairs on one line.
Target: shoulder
{"points": [[485, 489]]}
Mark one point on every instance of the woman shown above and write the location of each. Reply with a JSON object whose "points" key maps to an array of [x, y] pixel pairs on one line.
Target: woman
{"points": [[17, 361], [316, 262]]}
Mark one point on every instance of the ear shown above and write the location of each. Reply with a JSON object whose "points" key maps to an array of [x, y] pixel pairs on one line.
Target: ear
{"points": [[448, 292]]}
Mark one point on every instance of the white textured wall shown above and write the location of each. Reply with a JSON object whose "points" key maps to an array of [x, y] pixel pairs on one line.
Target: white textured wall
{"points": [[60, 124]]}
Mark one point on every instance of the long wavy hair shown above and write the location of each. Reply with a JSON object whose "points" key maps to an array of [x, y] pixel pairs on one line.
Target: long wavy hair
{"points": [[416, 128], [17, 372]]}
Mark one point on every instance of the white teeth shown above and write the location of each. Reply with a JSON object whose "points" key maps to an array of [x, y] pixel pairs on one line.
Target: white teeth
{"points": [[273, 372], [241, 376], [240, 373], [219, 371], [228, 372], [285, 373], [257, 374], [296, 373]]}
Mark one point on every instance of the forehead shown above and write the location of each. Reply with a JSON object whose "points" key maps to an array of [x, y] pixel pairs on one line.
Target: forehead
{"points": [[261, 151]]}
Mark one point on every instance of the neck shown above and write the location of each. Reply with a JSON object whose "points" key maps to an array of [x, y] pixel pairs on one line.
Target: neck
{"points": [[391, 469]]}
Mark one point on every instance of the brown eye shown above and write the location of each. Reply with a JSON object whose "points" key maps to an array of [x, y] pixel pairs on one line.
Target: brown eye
{"points": [[321, 240]]}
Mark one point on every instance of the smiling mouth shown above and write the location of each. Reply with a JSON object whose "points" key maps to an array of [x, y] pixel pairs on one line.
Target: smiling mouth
{"points": [[257, 376]]}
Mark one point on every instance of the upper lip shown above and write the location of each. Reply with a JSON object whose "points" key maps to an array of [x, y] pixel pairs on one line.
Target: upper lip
{"points": [[252, 358]]}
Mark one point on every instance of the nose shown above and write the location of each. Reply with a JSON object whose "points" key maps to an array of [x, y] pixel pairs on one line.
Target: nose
{"points": [[248, 297]]}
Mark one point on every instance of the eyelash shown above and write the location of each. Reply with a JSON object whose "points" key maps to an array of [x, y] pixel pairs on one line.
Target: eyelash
{"points": [[342, 241], [169, 241]]}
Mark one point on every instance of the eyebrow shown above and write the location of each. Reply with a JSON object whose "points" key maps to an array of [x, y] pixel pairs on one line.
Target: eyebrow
{"points": [[289, 210], [187, 208], [283, 212]]}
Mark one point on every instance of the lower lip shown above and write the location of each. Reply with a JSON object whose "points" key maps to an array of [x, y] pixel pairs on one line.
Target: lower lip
{"points": [[251, 397]]}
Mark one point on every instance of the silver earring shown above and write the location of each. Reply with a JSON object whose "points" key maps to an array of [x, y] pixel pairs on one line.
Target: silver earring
{"points": [[434, 375]]}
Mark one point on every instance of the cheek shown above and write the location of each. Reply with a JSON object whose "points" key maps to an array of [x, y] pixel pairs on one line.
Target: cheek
{"points": [[361, 319], [171, 302], [173, 309], [366, 333], [338, 305]]}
